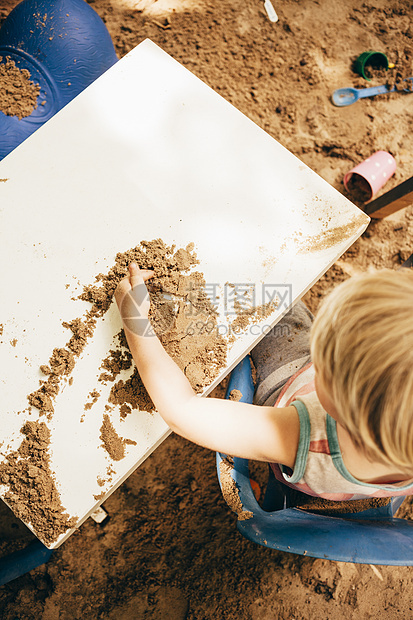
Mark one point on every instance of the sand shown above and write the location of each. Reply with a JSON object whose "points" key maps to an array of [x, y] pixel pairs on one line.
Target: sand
{"points": [[176, 295], [18, 93], [170, 548], [230, 490]]}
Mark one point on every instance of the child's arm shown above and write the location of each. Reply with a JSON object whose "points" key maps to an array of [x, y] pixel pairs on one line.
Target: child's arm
{"points": [[238, 429]]}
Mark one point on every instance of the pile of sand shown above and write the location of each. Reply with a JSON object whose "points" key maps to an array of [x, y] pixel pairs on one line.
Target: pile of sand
{"points": [[177, 295], [18, 94]]}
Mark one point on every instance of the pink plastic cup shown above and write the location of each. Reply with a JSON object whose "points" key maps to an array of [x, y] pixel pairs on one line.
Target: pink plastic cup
{"points": [[371, 174]]}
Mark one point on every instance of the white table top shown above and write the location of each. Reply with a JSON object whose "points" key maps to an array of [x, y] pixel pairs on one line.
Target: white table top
{"points": [[146, 151]]}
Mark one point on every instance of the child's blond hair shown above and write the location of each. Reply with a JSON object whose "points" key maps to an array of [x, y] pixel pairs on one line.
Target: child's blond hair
{"points": [[362, 349]]}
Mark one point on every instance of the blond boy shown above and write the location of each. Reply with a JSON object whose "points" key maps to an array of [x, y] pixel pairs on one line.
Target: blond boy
{"points": [[342, 424]]}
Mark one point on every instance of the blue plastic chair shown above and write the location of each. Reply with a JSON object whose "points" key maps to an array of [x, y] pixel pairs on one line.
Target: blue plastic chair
{"points": [[372, 536]]}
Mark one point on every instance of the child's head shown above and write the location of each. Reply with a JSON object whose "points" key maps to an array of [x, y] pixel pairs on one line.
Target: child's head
{"points": [[362, 349]]}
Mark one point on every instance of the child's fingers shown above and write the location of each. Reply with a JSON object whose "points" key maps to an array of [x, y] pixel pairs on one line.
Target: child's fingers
{"points": [[137, 276], [147, 274]]}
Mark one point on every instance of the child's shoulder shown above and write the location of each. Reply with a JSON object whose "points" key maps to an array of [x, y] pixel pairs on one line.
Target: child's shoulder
{"points": [[299, 384]]}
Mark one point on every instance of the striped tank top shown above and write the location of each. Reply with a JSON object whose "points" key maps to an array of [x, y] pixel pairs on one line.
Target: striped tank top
{"points": [[319, 469]]}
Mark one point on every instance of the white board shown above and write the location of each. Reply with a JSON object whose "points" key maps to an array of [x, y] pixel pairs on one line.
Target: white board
{"points": [[146, 151]]}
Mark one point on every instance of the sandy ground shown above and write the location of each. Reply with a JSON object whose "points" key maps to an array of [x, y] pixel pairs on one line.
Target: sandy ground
{"points": [[170, 548]]}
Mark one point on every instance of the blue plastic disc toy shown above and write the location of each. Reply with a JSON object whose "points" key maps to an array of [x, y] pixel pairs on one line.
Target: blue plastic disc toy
{"points": [[64, 45]]}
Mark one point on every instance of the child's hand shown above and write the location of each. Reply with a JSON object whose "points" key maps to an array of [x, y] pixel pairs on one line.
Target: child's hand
{"points": [[257, 433], [133, 300]]}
